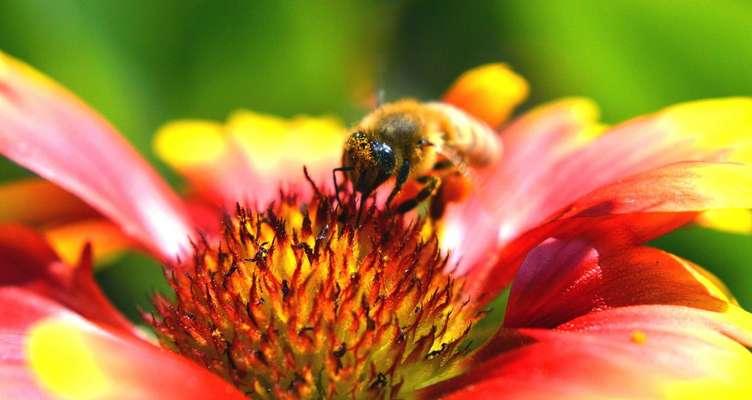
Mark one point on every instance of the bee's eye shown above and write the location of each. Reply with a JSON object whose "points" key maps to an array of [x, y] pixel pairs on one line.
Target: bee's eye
{"points": [[358, 140], [384, 155]]}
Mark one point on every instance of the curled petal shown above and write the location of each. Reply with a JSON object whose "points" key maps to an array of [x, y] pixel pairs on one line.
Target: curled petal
{"points": [[489, 92], [605, 233], [251, 156], [632, 352], [46, 129], [51, 352], [27, 261], [564, 279]]}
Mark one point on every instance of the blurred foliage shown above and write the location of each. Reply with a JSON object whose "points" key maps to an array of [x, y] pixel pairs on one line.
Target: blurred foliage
{"points": [[131, 281], [141, 63]]}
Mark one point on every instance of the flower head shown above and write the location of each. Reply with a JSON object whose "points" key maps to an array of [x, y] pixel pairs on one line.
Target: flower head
{"points": [[298, 304], [292, 295]]}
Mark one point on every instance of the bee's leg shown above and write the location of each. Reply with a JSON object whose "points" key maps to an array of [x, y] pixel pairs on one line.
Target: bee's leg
{"points": [[438, 204], [337, 188], [402, 175], [431, 184]]}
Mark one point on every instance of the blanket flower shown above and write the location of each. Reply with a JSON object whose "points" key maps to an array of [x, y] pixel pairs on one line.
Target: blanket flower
{"points": [[279, 293]]}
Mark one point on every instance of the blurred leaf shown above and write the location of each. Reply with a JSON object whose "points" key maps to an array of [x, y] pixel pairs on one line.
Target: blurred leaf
{"points": [[632, 56], [435, 41], [131, 282], [63, 40], [280, 57]]}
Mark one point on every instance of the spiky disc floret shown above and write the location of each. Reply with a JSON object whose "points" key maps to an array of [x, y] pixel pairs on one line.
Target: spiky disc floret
{"points": [[300, 303]]}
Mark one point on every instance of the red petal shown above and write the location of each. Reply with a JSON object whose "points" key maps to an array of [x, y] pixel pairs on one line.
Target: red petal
{"points": [[16, 381], [635, 322], [512, 197], [634, 352], [680, 187], [48, 130], [27, 261], [47, 349], [564, 279], [548, 165], [612, 232], [652, 197]]}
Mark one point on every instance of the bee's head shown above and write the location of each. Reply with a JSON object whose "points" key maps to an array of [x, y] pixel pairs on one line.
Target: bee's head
{"points": [[370, 161]]}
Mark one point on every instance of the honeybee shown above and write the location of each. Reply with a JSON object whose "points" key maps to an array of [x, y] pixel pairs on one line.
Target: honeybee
{"points": [[430, 144]]}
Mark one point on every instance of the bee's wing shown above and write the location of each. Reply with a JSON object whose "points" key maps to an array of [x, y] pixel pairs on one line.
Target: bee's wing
{"points": [[489, 93]]}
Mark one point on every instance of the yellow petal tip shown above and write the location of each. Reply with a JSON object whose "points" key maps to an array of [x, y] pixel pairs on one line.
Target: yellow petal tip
{"points": [[735, 220], [63, 362], [269, 141], [489, 92], [188, 142], [723, 125]]}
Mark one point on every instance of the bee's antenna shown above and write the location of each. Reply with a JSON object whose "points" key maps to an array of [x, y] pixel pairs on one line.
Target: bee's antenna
{"points": [[311, 182], [336, 184]]}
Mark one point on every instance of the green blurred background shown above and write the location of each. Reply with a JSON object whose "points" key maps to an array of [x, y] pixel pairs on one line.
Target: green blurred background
{"points": [[142, 62]]}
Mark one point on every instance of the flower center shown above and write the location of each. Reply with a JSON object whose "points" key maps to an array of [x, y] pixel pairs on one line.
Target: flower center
{"points": [[302, 302]]}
